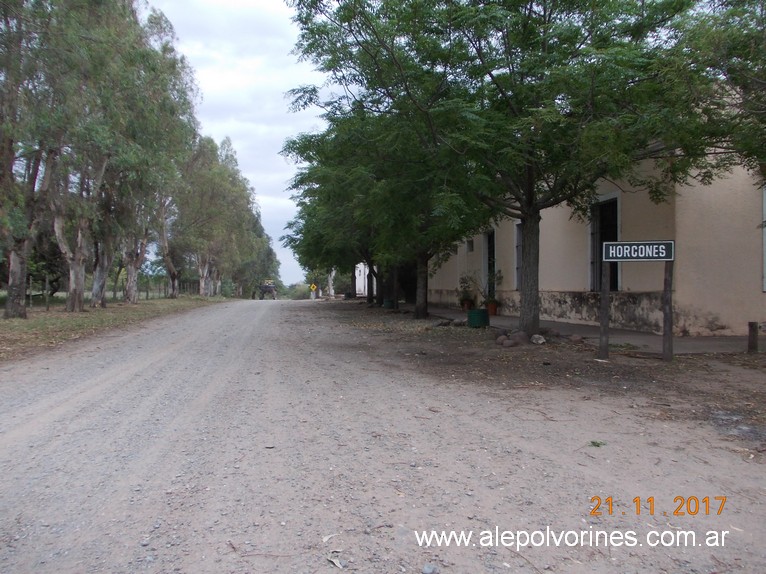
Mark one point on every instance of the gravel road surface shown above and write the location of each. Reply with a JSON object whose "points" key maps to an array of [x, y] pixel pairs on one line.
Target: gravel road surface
{"points": [[269, 436]]}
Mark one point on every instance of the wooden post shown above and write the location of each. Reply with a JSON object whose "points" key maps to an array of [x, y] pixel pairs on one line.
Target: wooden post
{"points": [[667, 313], [603, 340], [752, 337]]}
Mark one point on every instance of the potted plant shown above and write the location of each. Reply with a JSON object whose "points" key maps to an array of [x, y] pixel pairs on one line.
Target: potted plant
{"points": [[492, 305], [465, 293], [488, 291]]}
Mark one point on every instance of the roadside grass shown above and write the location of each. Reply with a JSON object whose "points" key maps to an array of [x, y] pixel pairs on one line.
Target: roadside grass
{"points": [[44, 330]]}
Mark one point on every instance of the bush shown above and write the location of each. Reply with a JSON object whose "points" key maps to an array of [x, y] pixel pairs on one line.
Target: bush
{"points": [[298, 291]]}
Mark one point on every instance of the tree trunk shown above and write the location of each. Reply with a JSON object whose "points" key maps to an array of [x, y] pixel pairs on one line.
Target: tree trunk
{"points": [[421, 291], [331, 284], [165, 247], [14, 31], [173, 284], [131, 284], [76, 253], [380, 287], [116, 280], [529, 321], [370, 285], [75, 256], [75, 300], [133, 258], [104, 258], [15, 304], [203, 270]]}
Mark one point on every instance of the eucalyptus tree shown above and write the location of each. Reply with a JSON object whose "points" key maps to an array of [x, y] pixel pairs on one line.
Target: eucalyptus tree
{"points": [[84, 45], [28, 140], [156, 127], [215, 222], [166, 214], [93, 104], [130, 127], [539, 100], [197, 223], [51, 146], [164, 129]]}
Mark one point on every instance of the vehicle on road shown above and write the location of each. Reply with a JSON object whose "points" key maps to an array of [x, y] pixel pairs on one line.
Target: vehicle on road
{"points": [[267, 290]]}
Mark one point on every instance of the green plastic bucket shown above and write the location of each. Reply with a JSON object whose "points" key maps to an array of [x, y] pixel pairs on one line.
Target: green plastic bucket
{"points": [[478, 318]]}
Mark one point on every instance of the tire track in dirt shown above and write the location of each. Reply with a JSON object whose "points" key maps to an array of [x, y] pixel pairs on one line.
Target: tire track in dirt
{"points": [[66, 387], [272, 435], [124, 426]]}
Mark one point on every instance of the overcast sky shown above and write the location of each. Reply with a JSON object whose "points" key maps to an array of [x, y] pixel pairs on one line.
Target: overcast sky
{"points": [[240, 51]]}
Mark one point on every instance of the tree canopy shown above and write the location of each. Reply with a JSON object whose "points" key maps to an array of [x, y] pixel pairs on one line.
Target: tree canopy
{"points": [[373, 190], [98, 142], [520, 105], [727, 38]]}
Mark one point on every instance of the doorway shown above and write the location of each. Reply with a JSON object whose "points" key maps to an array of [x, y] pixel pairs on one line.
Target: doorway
{"points": [[604, 226], [491, 264]]}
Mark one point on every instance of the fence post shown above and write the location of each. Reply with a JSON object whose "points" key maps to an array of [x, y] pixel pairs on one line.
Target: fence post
{"points": [[603, 339], [752, 337], [667, 313]]}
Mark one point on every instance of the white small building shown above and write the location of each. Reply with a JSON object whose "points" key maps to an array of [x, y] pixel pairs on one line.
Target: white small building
{"points": [[360, 272]]}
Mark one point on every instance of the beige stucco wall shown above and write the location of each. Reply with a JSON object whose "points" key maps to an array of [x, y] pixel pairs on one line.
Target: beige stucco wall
{"points": [[720, 258], [475, 261], [643, 220], [443, 284], [719, 268], [564, 251], [505, 255]]}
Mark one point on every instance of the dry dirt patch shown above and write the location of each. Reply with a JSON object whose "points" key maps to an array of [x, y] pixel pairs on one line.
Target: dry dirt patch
{"points": [[44, 330], [278, 436], [727, 391]]}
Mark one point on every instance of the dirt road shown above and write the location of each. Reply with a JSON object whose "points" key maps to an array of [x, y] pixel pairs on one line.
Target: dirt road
{"points": [[270, 436]]}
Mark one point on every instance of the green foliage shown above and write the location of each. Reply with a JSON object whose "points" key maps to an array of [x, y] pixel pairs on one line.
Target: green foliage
{"points": [[517, 106], [728, 41], [370, 190], [342, 283], [214, 226], [227, 288], [298, 291], [96, 128]]}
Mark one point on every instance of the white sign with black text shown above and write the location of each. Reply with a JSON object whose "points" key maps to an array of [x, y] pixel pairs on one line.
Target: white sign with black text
{"points": [[639, 251]]}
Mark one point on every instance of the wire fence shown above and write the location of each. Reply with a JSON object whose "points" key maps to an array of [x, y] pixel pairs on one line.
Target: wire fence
{"points": [[41, 295]]}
